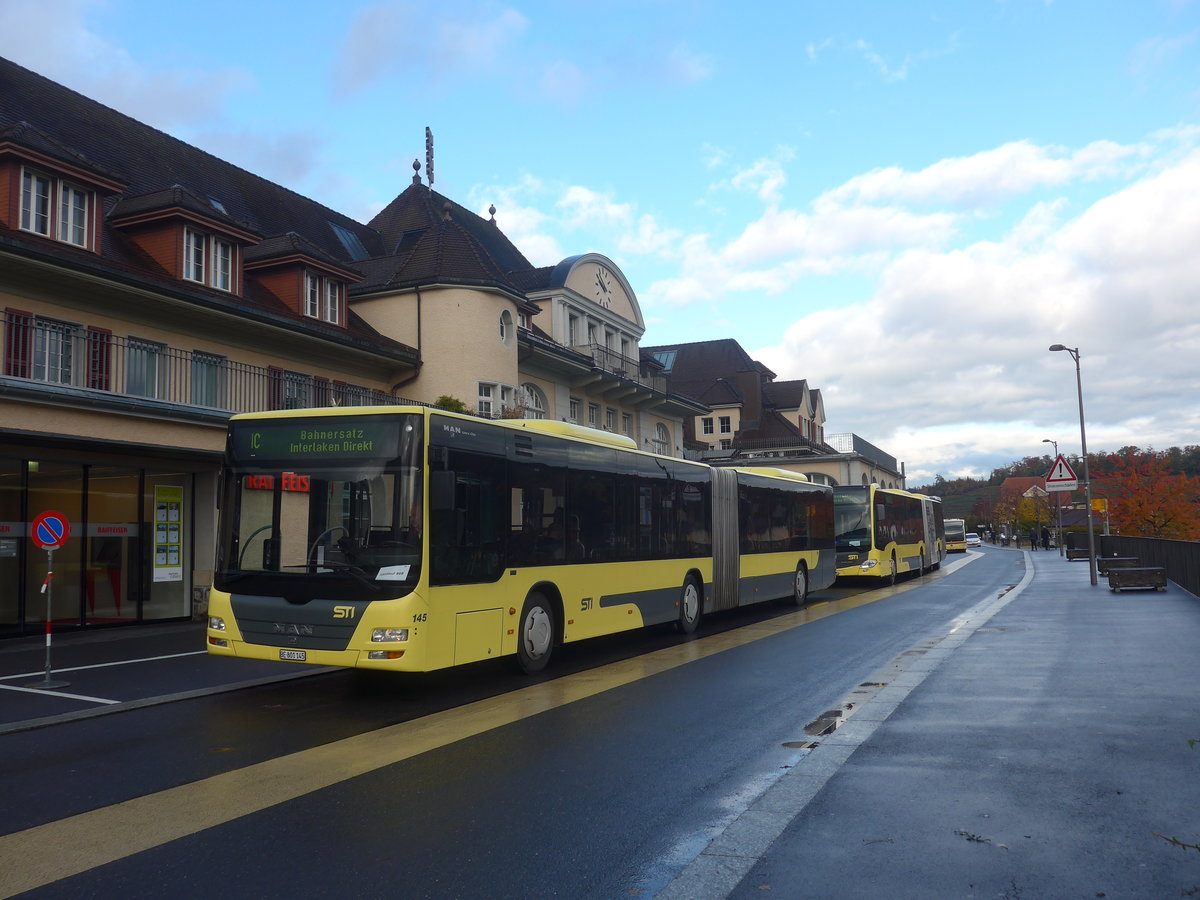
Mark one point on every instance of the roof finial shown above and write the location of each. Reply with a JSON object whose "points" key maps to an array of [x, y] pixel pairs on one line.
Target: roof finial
{"points": [[492, 211], [429, 155], [446, 211], [416, 171]]}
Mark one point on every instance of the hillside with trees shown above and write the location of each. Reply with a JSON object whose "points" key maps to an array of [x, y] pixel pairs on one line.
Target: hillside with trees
{"points": [[1150, 493]]}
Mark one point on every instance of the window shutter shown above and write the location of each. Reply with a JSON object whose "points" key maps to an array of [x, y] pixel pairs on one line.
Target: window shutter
{"points": [[320, 391], [99, 356], [18, 343], [274, 388]]}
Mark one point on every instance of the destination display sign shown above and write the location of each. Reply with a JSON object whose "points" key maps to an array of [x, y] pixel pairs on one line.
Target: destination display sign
{"points": [[317, 439]]}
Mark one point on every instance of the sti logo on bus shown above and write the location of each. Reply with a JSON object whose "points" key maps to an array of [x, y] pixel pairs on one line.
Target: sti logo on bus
{"points": [[343, 612]]}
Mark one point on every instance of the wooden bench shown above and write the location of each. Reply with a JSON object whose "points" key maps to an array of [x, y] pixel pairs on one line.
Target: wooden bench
{"points": [[1137, 577], [1104, 563], [1077, 553]]}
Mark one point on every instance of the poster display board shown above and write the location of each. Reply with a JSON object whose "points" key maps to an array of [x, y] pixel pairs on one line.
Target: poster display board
{"points": [[168, 533]]}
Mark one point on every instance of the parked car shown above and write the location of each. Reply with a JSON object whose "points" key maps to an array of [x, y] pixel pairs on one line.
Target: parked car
{"points": [[973, 539]]}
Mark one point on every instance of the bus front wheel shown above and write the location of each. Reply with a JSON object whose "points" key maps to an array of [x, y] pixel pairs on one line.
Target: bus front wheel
{"points": [[535, 634], [893, 574], [689, 606]]}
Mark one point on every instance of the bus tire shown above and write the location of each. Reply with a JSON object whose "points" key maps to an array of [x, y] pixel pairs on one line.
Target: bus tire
{"points": [[800, 585], [535, 634], [691, 606], [894, 574]]}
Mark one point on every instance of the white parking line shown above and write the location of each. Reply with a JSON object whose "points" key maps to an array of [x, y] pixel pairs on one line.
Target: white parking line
{"points": [[119, 662], [46, 692]]}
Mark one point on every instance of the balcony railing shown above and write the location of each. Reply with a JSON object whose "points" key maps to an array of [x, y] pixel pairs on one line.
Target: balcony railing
{"points": [[49, 352], [614, 363]]}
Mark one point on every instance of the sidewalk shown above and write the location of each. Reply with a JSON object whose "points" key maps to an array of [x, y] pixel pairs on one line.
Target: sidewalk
{"points": [[1033, 752]]}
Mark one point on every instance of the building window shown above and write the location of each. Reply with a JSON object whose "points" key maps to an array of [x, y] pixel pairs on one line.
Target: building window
{"points": [[207, 259], [484, 403], [627, 424], [610, 419], [506, 327], [209, 376], [222, 267], [572, 330], [726, 425], [594, 415], [533, 400], [55, 208], [297, 390], [72, 215], [146, 369], [54, 351], [662, 439], [333, 301], [706, 425], [726, 444], [575, 405]]}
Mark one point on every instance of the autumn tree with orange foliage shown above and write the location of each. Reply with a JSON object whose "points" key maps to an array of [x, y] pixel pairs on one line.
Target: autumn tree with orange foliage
{"points": [[1146, 499]]}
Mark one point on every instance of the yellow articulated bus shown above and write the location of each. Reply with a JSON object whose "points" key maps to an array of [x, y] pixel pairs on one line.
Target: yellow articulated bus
{"points": [[883, 532], [412, 539], [956, 536]]}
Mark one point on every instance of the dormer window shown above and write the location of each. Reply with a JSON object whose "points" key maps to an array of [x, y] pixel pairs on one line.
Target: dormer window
{"points": [[207, 259], [55, 208], [322, 298]]}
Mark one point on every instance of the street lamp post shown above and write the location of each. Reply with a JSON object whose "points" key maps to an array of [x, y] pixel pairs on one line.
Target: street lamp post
{"points": [[1087, 480], [1057, 501]]}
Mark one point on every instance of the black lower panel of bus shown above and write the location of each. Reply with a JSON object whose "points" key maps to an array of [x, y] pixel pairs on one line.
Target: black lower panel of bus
{"points": [[274, 622]]}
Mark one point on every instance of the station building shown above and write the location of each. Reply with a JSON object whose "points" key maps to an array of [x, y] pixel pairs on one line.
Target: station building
{"points": [[149, 289]]}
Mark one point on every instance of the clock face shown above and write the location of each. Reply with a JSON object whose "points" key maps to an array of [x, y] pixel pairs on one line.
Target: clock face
{"points": [[603, 285]]}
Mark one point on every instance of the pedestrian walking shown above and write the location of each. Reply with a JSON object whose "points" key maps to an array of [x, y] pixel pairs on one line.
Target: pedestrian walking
{"points": [[1032, 538], [1045, 538]]}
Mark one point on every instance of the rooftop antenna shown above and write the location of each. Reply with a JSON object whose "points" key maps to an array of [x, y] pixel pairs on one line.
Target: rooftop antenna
{"points": [[429, 155]]}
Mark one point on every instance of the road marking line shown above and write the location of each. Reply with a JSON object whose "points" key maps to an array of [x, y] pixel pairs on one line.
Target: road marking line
{"points": [[50, 692], [120, 662], [104, 835]]}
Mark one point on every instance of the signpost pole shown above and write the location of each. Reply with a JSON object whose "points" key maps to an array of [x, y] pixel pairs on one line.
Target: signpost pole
{"points": [[50, 531]]}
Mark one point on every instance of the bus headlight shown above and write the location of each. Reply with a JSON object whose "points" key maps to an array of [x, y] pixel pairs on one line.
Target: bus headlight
{"points": [[869, 564], [216, 623], [388, 635]]}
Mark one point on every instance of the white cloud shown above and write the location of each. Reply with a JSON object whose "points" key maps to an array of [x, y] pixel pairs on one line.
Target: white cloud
{"points": [[972, 325], [53, 38], [986, 177]]}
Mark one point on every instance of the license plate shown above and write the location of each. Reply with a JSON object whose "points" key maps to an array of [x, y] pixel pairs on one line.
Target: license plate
{"points": [[297, 655]]}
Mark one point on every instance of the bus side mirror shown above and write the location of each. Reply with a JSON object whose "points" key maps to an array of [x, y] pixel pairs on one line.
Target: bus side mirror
{"points": [[441, 490]]}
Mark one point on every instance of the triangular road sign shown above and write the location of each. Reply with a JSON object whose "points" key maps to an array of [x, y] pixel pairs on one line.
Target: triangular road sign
{"points": [[1061, 476]]}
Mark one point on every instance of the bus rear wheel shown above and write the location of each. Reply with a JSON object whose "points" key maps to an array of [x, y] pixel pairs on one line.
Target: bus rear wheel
{"points": [[690, 603], [800, 585], [535, 634]]}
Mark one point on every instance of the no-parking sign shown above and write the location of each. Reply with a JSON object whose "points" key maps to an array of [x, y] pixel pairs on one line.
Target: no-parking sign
{"points": [[50, 530]]}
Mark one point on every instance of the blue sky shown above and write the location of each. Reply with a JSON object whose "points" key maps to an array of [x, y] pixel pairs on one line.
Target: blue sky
{"points": [[905, 203]]}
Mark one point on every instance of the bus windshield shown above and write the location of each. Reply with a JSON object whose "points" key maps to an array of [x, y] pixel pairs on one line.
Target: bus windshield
{"points": [[852, 518], [322, 506]]}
